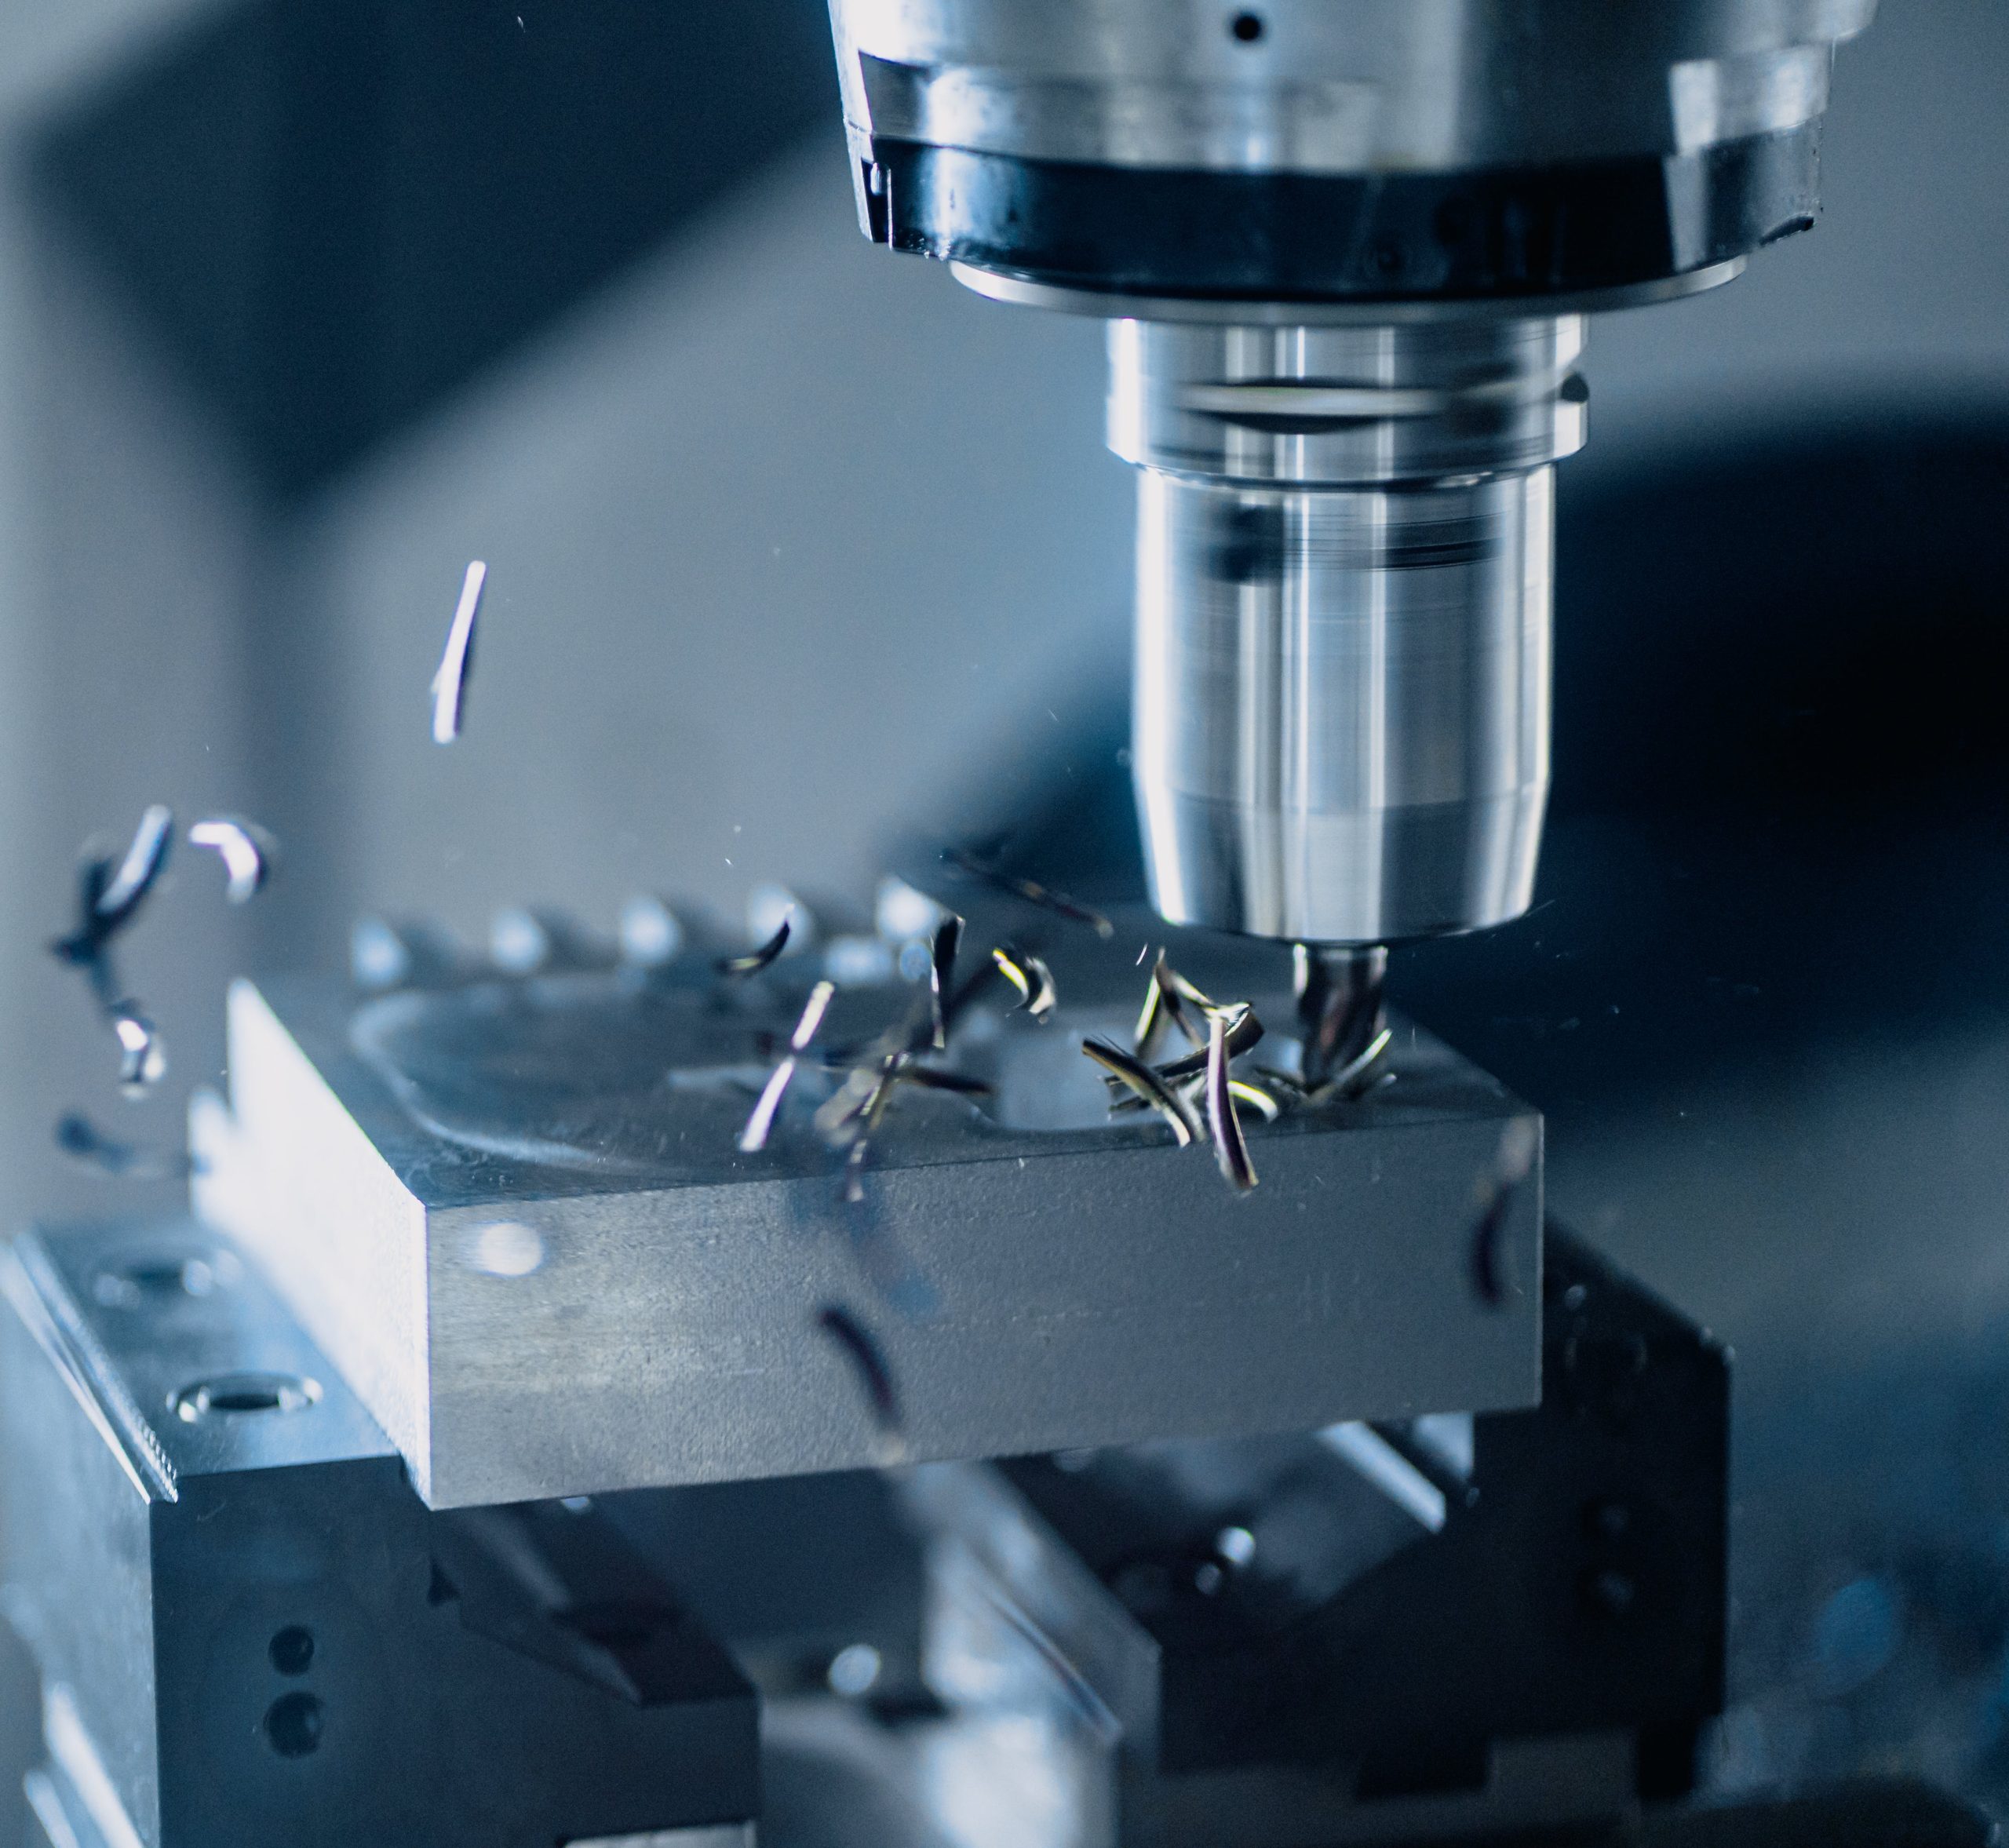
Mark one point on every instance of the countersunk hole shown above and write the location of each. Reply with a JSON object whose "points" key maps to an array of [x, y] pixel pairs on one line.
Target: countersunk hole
{"points": [[1247, 27], [293, 1725], [292, 1649], [238, 1394], [133, 1284]]}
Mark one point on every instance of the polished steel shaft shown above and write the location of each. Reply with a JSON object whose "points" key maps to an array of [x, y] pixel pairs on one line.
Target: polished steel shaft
{"points": [[1345, 248], [1343, 591], [1314, 85]]}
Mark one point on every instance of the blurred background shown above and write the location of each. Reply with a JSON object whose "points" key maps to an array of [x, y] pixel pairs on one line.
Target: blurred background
{"points": [[302, 307]]}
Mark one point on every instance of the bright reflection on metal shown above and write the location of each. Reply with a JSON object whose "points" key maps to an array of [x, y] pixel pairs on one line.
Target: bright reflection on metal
{"points": [[1448, 1437], [518, 942], [651, 934], [449, 683], [505, 1248], [753, 1137], [771, 905], [143, 1057], [854, 1671], [860, 962], [142, 865], [1388, 1470], [730, 1834], [72, 1750], [900, 912], [378, 957], [246, 850]]}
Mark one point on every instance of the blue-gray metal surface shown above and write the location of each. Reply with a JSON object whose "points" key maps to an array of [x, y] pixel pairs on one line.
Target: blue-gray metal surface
{"points": [[250, 1629], [514, 1215]]}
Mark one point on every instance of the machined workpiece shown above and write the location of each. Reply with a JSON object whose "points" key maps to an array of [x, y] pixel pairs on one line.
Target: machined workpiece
{"points": [[251, 1631], [516, 1216]]}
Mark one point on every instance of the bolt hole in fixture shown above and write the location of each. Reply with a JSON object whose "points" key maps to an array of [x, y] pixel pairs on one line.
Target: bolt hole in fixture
{"points": [[1246, 26], [133, 1286], [293, 1724], [243, 1395], [292, 1649]]}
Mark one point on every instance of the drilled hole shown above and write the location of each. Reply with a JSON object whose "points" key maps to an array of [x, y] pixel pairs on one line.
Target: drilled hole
{"points": [[243, 1395], [293, 1725], [162, 1280], [1247, 27], [292, 1649]]}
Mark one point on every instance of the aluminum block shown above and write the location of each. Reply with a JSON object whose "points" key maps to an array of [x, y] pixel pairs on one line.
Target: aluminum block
{"points": [[516, 1215]]}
